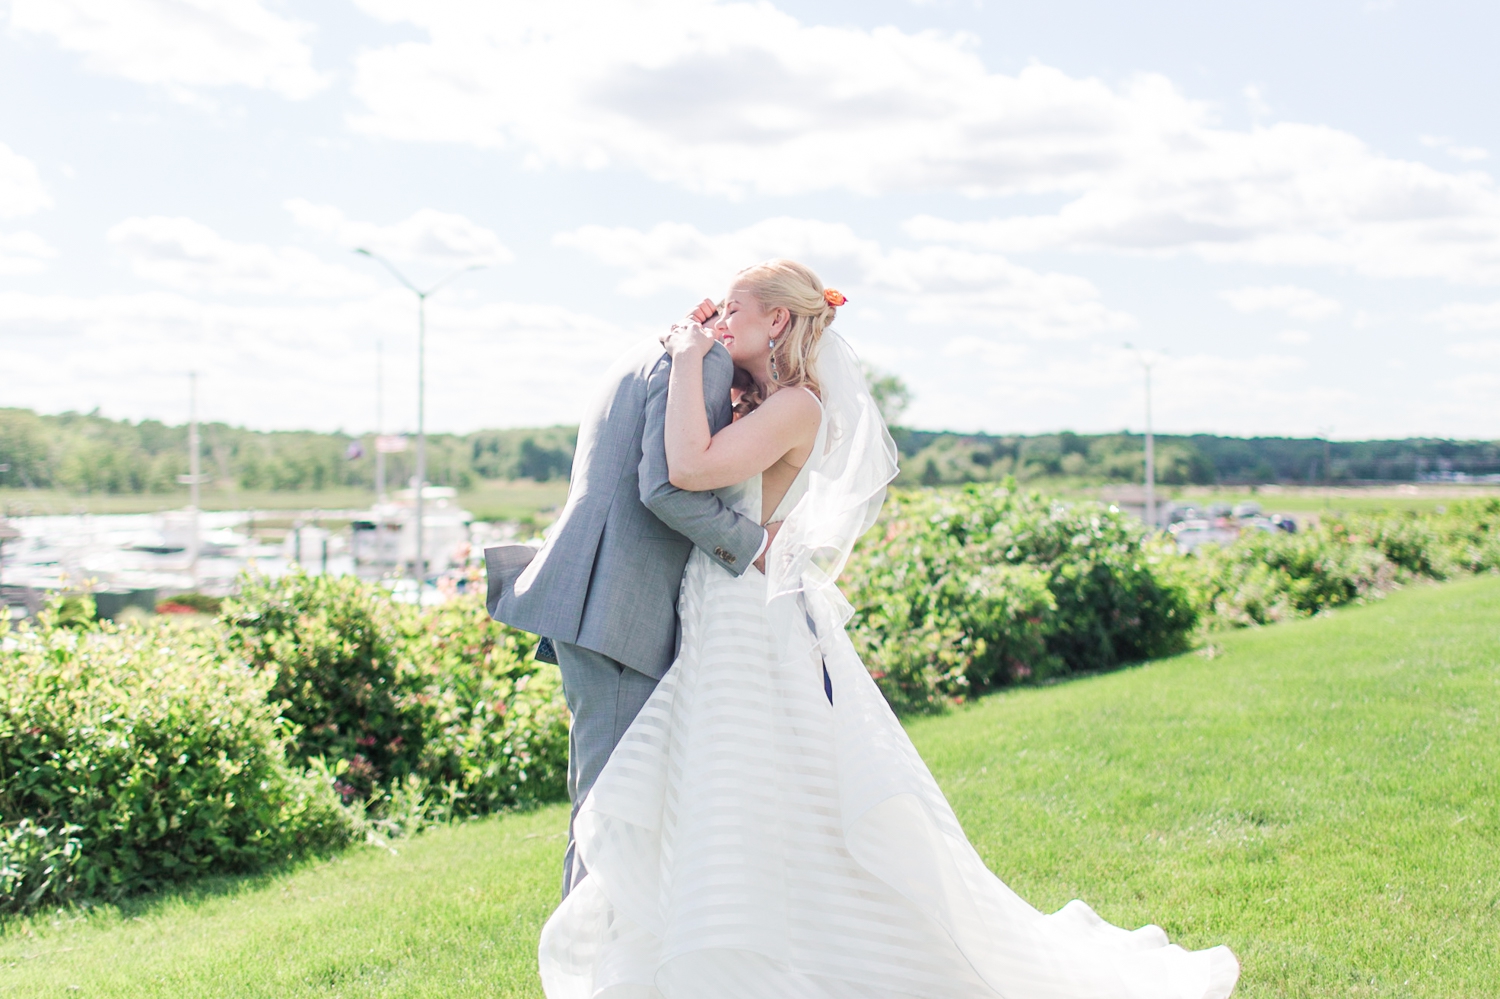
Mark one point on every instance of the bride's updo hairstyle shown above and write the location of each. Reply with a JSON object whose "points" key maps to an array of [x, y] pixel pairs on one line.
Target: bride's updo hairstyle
{"points": [[796, 288]]}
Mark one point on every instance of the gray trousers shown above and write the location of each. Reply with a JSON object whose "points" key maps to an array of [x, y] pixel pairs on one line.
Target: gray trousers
{"points": [[604, 697]]}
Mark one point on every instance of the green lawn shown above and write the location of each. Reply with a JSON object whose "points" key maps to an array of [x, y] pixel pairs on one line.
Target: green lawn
{"points": [[453, 913], [1321, 796]]}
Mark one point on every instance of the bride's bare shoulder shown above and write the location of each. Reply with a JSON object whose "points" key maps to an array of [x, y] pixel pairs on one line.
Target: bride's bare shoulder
{"points": [[795, 403]]}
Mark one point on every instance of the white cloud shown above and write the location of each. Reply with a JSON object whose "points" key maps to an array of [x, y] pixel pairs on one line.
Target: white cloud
{"points": [[933, 285], [24, 253], [1468, 316], [1285, 195], [21, 190], [678, 255], [1238, 390], [740, 97], [986, 351], [304, 366], [1468, 154], [21, 193], [1295, 338], [1479, 350], [1299, 303], [427, 236], [188, 256], [943, 285], [1025, 388], [181, 45], [737, 98]]}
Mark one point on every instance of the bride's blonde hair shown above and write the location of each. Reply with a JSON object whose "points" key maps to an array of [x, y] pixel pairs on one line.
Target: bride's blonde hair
{"points": [[794, 287]]}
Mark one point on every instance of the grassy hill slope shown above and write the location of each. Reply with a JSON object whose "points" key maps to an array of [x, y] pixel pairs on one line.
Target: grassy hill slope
{"points": [[1321, 795]]}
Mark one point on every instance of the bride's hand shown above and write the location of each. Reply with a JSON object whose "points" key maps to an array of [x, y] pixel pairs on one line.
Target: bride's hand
{"points": [[705, 311], [689, 339]]}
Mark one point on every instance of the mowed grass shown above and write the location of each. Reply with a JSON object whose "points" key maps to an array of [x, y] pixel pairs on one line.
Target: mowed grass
{"points": [[1321, 796], [453, 913]]}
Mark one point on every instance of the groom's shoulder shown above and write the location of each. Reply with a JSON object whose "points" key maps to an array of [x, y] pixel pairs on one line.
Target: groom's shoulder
{"points": [[643, 356], [648, 357]]}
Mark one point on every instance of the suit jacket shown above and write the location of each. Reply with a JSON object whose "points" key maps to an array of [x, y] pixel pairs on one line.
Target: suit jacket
{"points": [[608, 576]]}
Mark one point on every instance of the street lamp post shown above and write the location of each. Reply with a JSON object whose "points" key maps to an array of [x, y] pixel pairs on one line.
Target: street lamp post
{"points": [[1150, 444], [379, 420], [419, 564], [195, 478], [1327, 434]]}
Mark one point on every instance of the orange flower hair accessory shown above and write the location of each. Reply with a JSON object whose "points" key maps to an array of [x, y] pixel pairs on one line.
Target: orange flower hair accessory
{"points": [[833, 297]]}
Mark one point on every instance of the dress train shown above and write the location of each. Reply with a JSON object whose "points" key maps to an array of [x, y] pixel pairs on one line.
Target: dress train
{"points": [[748, 839]]}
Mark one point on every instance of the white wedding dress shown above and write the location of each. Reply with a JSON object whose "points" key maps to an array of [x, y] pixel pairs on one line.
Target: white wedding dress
{"points": [[749, 838]]}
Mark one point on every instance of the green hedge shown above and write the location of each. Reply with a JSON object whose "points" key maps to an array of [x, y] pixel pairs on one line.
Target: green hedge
{"points": [[382, 692], [316, 709], [1266, 577], [959, 592], [495, 725], [1462, 538], [130, 758], [331, 647]]}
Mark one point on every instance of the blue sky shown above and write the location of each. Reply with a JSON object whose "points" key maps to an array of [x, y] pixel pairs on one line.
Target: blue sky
{"points": [[1292, 207]]}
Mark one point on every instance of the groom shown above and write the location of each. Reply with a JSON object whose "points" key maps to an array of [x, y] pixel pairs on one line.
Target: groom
{"points": [[604, 586]]}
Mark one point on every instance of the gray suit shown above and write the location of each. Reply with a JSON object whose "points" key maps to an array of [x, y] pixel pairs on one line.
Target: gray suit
{"points": [[604, 586]]}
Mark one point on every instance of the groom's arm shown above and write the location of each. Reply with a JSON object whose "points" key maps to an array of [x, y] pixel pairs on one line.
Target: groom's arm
{"points": [[734, 541]]}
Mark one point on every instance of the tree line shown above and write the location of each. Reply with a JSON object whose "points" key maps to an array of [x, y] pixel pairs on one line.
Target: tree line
{"points": [[90, 453], [938, 457]]}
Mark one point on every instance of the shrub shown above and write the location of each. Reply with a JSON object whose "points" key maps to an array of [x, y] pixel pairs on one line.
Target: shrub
{"points": [[1114, 605], [965, 591], [384, 691], [1270, 576], [495, 726], [1322, 569], [1266, 577], [75, 611], [1470, 532], [330, 648], [200, 603], [134, 757], [37, 864]]}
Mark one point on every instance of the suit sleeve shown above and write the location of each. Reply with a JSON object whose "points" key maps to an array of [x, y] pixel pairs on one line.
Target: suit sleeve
{"points": [[733, 540]]}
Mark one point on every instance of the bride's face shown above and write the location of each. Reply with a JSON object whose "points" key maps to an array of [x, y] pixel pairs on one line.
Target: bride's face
{"points": [[746, 329]]}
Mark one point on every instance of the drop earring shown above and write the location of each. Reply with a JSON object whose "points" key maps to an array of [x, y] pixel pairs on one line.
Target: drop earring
{"points": [[775, 377]]}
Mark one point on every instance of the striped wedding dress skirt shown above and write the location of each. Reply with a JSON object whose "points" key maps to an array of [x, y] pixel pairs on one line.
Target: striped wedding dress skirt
{"points": [[748, 838]]}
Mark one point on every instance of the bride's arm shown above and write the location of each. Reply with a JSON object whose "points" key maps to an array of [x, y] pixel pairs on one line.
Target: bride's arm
{"points": [[696, 460]]}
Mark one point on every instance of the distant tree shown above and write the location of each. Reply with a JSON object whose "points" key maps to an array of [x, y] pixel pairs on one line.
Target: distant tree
{"points": [[542, 463], [890, 392]]}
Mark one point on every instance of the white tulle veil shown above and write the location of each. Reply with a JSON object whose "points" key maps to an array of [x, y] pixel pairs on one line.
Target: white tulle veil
{"points": [[847, 481]]}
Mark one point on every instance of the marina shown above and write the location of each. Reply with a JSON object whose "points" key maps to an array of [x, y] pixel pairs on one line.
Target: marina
{"points": [[138, 560]]}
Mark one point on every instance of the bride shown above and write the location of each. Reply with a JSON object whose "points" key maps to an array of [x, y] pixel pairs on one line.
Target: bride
{"points": [[765, 829]]}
